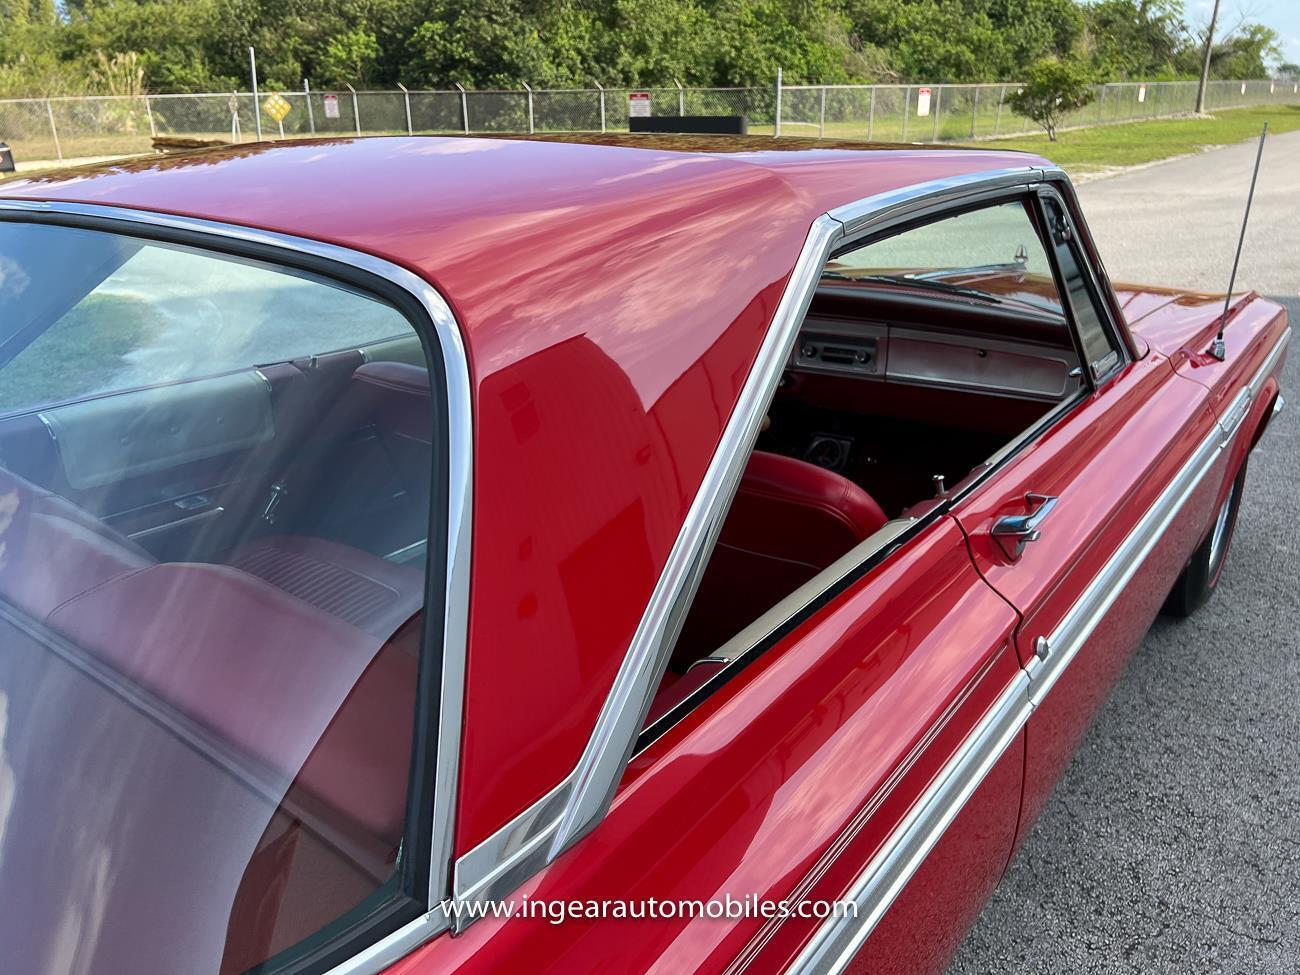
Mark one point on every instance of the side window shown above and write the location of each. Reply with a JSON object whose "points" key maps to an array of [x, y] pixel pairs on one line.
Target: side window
{"points": [[1098, 349], [214, 523], [925, 352]]}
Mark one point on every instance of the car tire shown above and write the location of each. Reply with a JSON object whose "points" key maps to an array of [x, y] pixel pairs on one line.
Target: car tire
{"points": [[1201, 576]]}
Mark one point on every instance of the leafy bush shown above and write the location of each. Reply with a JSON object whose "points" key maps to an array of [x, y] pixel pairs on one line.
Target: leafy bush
{"points": [[1052, 89]]}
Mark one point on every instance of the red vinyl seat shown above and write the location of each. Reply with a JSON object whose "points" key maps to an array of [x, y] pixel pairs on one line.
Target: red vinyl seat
{"points": [[371, 593], [303, 653], [790, 520]]}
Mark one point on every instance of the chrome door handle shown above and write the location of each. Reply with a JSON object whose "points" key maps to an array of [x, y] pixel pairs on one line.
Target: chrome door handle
{"points": [[1014, 532]]}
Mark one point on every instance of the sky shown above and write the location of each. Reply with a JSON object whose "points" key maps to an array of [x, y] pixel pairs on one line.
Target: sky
{"points": [[1282, 15]]}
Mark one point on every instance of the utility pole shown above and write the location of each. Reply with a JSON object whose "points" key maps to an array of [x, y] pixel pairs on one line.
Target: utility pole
{"points": [[1205, 64]]}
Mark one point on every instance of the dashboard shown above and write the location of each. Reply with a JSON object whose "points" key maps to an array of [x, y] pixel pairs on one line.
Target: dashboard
{"points": [[883, 352]]}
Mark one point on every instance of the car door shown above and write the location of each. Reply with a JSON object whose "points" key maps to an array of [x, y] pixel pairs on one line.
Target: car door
{"points": [[820, 771], [1085, 531]]}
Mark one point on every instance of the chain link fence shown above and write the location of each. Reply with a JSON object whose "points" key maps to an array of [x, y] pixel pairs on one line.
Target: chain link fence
{"points": [[54, 129], [953, 113]]}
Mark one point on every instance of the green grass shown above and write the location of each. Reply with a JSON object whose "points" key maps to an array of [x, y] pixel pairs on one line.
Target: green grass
{"points": [[1131, 144]]}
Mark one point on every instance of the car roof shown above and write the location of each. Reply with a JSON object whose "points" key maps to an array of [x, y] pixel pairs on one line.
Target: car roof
{"points": [[464, 211]]}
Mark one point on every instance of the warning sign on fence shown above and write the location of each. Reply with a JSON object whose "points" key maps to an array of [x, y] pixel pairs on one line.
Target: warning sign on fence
{"points": [[638, 104], [923, 101], [277, 106], [331, 106]]}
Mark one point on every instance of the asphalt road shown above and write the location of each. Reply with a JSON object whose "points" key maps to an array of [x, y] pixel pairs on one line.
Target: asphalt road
{"points": [[1172, 843]]}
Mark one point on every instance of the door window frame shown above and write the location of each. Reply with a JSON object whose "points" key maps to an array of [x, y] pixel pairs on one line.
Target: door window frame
{"points": [[1096, 373], [874, 551]]}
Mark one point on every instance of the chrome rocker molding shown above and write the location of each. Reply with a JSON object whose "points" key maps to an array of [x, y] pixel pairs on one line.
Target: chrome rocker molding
{"points": [[399, 943], [834, 945], [540, 833]]}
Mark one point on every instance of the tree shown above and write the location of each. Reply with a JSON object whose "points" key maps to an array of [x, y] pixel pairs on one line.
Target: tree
{"points": [[1137, 39], [1052, 89], [349, 56]]}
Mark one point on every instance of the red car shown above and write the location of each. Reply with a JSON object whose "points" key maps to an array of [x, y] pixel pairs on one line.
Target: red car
{"points": [[592, 555]]}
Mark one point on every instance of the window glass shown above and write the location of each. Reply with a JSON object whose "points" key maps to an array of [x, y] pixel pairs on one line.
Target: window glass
{"points": [[212, 578], [994, 252]]}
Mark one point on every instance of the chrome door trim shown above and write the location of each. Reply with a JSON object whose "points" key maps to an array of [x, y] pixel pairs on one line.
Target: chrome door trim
{"points": [[839, 939], [835, 943], [540, 833], [398, 943]]}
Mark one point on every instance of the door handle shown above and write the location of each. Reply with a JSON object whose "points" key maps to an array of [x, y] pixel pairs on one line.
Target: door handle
{"points": [[1014, 532]]}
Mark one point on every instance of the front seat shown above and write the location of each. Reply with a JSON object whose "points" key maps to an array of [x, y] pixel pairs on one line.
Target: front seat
{"points": [[789, 521]]}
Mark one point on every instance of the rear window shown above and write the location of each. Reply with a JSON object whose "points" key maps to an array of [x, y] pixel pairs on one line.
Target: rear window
{"points": [[164, 313], [215, 500]]}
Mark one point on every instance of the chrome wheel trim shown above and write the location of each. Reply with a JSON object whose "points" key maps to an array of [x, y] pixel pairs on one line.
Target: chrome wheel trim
{"points": [[1219, 538]]}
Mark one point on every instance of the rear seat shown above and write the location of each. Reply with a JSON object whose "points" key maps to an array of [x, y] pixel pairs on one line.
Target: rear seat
{"points": [[271, 672], [264, 650], [51, 550], [371, 593]]}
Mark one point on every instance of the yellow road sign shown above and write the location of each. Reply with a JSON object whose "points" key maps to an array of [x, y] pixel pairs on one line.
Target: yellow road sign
{"points": [[277, 106]]}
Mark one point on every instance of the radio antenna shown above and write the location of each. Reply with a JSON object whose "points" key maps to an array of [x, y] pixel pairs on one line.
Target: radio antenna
{"points": [[1219, 350]]}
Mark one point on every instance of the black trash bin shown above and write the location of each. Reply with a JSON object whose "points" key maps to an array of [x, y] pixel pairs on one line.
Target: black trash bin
{"points": [[6, 159]]}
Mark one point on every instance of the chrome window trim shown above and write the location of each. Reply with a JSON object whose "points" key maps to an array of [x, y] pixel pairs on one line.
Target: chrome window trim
{"points": [[834, 945], [538, 834], [1099, 284], [398, 943]]}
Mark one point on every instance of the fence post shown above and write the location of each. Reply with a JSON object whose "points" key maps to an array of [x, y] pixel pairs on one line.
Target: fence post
{"points": [[601, 89], [236, 135], [257, 99], [907, 110], [975, 112], [49, 110], [776, 130], [148, 110], [934, 126], [464, 108], [406, 97], [528, 88], [871, 114], [821, 118], [1101, 103], [997, 119], [681, 98], [311, 116], [356, 111]]}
